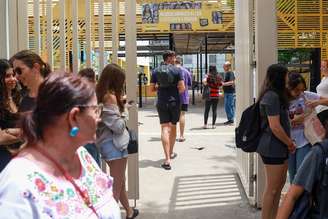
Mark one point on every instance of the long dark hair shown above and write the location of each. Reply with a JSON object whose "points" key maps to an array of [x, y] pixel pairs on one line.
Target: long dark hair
{"points": [[57, 95], [112, 79], [275, 80], [4, 96], [29, 58]]}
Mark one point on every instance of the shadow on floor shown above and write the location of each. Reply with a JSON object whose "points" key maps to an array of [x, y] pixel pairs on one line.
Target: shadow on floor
{"points": [[154, 139], [151, 163]]}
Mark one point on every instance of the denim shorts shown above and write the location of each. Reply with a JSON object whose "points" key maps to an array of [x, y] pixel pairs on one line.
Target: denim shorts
{"points": [[109, 152]]}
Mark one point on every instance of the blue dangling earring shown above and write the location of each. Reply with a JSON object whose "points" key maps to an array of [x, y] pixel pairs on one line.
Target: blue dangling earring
{"points": [[74, 131]]}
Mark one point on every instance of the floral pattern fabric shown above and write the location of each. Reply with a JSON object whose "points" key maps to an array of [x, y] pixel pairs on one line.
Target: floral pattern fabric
{"points": [[28, 191]]}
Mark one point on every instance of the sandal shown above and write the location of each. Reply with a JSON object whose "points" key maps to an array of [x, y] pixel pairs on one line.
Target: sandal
{"points": [[166, 166], [134, 215], [181, 139], [173, 155]]}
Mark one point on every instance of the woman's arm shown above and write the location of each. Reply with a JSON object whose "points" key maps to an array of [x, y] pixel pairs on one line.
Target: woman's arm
{"points": [[279, 132], [9, 136], [314, 103], [287, 206]]}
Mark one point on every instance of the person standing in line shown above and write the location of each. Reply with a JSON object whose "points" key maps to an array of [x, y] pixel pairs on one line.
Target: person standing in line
{"points": [[297, 110], [229, 93], [184, 97], [31, 71], [112, 134], [322, 91], [53, 176], [275, 143], [213, 81], [168, 81], [9, 116], [90, 75]]}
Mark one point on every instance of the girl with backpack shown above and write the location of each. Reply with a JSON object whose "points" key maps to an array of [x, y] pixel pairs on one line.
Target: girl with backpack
{"points": [[275, 142], [298, 99], [213, 81]]}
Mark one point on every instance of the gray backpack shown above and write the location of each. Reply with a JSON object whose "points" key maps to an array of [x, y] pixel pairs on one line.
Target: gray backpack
{"points": [[164, 77]]}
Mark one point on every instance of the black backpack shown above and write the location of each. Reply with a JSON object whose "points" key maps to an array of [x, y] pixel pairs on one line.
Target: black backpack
{"points": [[164, 77], [248, 133]]}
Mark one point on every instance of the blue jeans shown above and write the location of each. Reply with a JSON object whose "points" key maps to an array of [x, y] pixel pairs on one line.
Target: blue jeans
{"points": [[229, 105], [295, 160]]}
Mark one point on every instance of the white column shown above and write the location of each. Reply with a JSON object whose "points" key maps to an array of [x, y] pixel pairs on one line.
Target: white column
{"points": [[49, 33], [88, 32], [62, 32], [75, 36], [115, 30], [244, 83], [101, 36], [4, 38], [131, 81], [22, 24], [266, 54], [37, 32], [12, 27]]}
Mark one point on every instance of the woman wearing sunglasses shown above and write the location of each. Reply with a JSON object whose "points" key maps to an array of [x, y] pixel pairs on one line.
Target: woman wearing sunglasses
{"points": [[9, 100], [53, 176], [30, 70]]}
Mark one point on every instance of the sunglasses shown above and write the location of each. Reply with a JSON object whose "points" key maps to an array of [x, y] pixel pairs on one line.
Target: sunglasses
{"points": [[17, 71]]}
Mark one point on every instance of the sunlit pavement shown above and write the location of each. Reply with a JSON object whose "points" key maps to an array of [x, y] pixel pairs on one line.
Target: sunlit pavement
{"points": [[202, 183]]}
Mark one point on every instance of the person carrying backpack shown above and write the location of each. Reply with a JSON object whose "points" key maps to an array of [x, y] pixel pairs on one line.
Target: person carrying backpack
{"points": [[275, 142], [167, 79], [311, 180]]}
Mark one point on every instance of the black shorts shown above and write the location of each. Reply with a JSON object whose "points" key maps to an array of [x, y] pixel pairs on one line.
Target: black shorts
{"points": [[323, 116], [184, 107], [273, 160], [168, 112]]}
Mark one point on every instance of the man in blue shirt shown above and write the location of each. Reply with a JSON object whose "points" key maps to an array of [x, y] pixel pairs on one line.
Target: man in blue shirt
{"points": [[167, 79]]}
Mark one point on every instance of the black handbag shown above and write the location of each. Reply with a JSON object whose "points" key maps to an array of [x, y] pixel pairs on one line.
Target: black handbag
{"points": [[206, 92], [133, 142]]}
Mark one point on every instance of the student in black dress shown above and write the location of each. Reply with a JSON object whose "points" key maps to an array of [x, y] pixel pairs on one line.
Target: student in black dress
{"points": [[275, 142], [9, 100], [30, 70]]}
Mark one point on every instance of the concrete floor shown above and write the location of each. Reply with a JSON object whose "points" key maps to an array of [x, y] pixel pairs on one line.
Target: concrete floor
{"points": [[202, 183]]}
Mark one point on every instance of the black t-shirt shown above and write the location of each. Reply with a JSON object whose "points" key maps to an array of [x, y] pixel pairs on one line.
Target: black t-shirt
{"points": [[229, 76], [27, 104], [168, 94]]}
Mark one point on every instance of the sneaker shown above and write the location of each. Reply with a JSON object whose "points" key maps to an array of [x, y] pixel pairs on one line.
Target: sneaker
{"points": [[205, 127], [229, 122], [166, 166], [213, 127]]}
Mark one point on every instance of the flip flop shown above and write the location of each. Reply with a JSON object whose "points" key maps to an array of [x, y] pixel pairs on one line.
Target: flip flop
{"points": [[166, 166], [173, 155], [181, 139]]}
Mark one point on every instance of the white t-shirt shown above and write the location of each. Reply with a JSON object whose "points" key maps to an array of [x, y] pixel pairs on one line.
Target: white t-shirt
{"points": [[28, 192], [322, 91]]}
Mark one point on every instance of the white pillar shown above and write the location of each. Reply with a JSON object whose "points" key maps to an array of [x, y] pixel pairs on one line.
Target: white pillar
{"points": [[37, 32], [266, 54], [101, 36], [12, 27], [131, 81], [22, 21], [75, 27], [49, 45], [62, 32], [88, 32], [4, 38], [115, 30], [244, 83]]}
